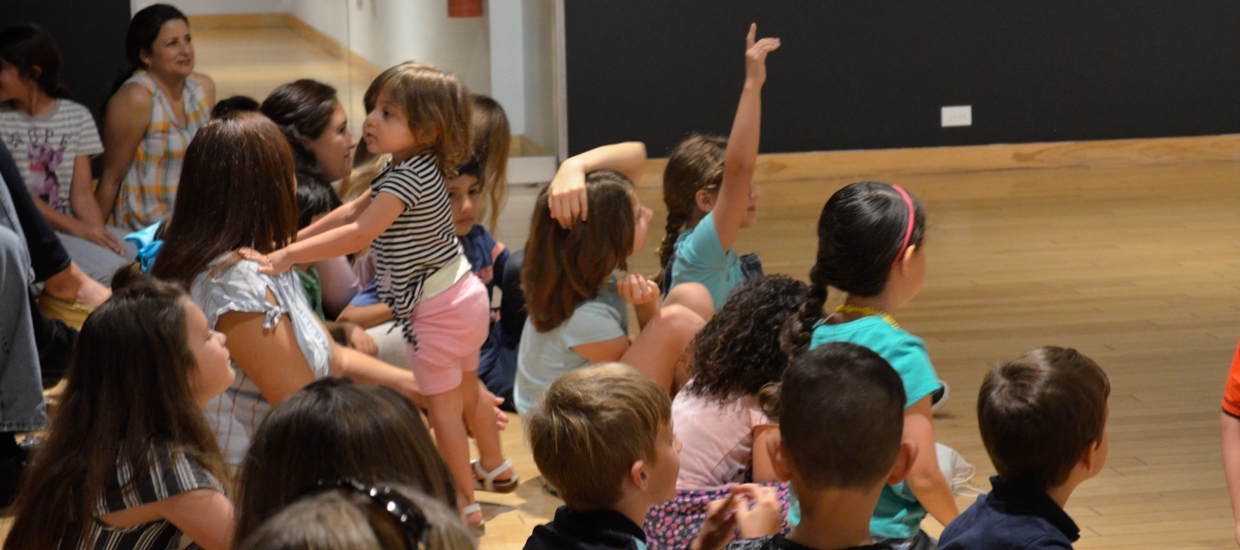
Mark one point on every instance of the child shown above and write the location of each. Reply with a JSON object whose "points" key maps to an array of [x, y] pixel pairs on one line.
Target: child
{"points": [[334, 429], [349, 515], [476, 193], [841, 407], [420, 115], [576, 305], [710, 196], [53, 140], [870, 246], [1043, 419], [602, 436], [129, 461], [725, 434]]}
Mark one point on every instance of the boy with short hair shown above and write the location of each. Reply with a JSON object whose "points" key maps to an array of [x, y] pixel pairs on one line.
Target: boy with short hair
{"points": [[841, 415], [1043, 420], [602, 436]]}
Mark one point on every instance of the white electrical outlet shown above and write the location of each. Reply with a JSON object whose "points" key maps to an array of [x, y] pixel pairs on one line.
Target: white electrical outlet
{"points": [[957, 115]]}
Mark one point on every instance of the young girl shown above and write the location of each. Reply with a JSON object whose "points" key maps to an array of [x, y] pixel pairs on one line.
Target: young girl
{"points": [[346, 514], [710, 196], [420, 115], [53, 140], [334, 429], [129, 462], [724, 433], [870, 246], [577, 305]]}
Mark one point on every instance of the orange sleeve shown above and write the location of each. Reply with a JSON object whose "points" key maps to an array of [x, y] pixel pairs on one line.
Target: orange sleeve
{"points": [[1231, 394]]}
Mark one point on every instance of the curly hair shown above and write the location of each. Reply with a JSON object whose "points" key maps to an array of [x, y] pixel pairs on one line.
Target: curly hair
{"points": [[738, 351]]}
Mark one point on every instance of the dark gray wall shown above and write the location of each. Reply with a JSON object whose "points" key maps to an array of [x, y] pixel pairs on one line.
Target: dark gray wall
{"points": [[871, 75]]}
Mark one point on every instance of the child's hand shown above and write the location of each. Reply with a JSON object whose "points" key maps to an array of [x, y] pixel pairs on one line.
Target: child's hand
{"points": [[755, 55], [759, 513], [719, 523], [359, 340], [567, 196], [272, 264], [636, 290]]}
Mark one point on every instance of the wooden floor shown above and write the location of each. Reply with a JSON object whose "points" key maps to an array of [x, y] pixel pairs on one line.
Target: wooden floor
{"points": [[1136, 266]]}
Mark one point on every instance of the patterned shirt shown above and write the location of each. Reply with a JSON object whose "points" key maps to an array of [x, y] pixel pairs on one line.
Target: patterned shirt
{"points": [[420, 241], [46, 148], [168, 476], [150, 187]]}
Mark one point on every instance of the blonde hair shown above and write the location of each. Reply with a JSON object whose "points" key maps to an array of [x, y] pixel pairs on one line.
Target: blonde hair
{"points": [[436, 104], [343, 519], [591, 426]]}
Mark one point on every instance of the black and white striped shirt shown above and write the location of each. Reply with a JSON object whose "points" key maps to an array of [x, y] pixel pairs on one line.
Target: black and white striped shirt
{"points": [[167, 477], [420, 241]]}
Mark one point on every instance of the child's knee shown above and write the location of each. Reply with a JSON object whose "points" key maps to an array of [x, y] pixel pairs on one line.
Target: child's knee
{"points": [[693, 296], [681, 321]]}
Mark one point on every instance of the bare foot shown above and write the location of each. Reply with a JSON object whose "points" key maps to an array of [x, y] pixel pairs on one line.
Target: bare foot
{"points": [[73, 285]]}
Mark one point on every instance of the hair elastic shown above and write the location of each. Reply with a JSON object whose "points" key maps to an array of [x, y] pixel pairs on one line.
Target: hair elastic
{"points": [[908, 233]]}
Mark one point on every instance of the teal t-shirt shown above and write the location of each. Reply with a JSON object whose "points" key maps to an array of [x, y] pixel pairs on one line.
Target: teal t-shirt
{"points": [[700, 258], [898, 515]]}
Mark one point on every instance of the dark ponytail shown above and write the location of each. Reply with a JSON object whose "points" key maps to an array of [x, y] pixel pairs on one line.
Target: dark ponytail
{"points": [[143, 31], [29, 46], [860, 233]]}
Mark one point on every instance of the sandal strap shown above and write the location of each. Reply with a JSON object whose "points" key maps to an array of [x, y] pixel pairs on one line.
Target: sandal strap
{"points": [[488, 478], [472, 508]]}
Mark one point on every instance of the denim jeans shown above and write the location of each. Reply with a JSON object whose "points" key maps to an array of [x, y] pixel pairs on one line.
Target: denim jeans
{"points": [[21, 389]]}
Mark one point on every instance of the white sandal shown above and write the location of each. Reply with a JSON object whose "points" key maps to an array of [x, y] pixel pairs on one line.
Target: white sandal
{"points": [[485, 481], [475, 508]]}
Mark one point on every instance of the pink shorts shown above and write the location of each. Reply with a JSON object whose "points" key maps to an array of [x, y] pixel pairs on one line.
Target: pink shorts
{"points": [[451, 328]]}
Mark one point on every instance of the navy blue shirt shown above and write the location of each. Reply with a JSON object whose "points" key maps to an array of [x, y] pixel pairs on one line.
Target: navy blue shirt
{"points": [[593, 530], [1011, 518]]}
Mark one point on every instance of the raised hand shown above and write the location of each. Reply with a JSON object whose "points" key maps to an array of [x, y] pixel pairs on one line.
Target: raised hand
{"points": [[755, 55]]}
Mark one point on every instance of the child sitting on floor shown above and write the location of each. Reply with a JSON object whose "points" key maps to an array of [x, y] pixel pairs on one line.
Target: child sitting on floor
{"points": [[1043, 418], [603, 437], [842, 443], [726, 435]]}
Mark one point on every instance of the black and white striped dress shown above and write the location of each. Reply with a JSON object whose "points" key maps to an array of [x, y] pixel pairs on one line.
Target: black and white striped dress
{"points": [[420, 241], [167, 477]]}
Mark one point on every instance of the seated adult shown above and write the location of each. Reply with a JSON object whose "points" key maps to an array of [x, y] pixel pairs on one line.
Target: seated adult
{"points": [[237, 192], [151, 118], [311, 117]]}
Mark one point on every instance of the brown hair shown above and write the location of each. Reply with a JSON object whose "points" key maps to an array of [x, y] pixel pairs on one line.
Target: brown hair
{"points": [[591, 426], [332, 429], [1039, 412], [237, 190], [128, 400], [435, 103], [695, 164], [343, 519], [564, 267], [842, 407], [492, 140], [302, 110]]}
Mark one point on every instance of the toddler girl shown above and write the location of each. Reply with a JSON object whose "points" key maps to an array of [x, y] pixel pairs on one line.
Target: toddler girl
{"points": [[129, 461], [870, 246], [420, 115]]}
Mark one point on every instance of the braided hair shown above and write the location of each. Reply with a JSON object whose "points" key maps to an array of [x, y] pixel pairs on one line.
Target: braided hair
{"points": [[695, 164], [860, 233]]}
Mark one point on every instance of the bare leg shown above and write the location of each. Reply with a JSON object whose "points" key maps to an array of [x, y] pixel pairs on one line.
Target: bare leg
{"points": [[694, 296], [446, 416], [658, 349], [480, 417]]}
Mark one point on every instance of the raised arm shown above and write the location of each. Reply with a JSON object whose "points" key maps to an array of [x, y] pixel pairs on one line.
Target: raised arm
{"points": [[567, 197], [125, 122], [741, 156]]}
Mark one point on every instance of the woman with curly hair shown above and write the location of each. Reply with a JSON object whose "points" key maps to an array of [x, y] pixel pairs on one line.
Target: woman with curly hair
{"points": [[717, 416]]}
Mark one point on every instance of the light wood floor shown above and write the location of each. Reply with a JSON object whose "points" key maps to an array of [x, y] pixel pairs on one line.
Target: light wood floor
{"points": [[1136, 266]]}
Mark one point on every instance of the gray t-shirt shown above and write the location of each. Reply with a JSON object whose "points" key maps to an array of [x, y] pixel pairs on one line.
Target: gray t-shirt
{"points": [[542, 357], [47, 147]]}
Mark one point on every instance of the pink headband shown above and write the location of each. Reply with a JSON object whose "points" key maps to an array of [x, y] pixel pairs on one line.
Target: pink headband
{"points": [[908, 233]]}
